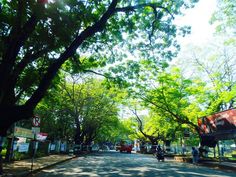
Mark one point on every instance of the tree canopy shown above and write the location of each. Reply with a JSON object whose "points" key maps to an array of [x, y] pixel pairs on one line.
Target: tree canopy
{"points": [[84, 109], [225, 16], [38, 37]]}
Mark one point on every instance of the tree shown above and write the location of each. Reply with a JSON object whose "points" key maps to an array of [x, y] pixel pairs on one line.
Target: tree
{"points": [[114, 132], [211, 89], [225, 16], [176, 98], [56, 119], [155, 127], [214, 64], [219, 74], [85, 110], [152, 135], [37, 38], [90, 105]]}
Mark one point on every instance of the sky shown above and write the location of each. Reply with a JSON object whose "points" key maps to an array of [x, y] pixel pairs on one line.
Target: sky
{"points": [[198, 18]]}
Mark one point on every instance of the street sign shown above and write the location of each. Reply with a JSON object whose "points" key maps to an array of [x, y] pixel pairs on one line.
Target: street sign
{"points": [[23, 147], [36, 130], [41, 136], [36, 121], [23, 132]]}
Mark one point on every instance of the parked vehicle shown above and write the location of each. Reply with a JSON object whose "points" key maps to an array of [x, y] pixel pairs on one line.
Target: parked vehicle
{"points": [[117, 146], [126, 146]]}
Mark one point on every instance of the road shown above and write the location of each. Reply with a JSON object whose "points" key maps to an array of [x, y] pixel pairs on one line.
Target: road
{"points": [[115, 164]]}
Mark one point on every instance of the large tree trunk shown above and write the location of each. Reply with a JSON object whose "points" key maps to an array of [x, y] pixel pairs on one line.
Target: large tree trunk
{"points": [[78, 135], [11, 114]]}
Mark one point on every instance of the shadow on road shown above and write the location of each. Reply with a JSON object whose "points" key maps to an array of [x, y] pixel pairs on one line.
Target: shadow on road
{"points": [[115, 164]]}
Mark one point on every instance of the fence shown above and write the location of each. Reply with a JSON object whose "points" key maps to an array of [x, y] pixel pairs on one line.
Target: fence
{"points": [[27, 148]]}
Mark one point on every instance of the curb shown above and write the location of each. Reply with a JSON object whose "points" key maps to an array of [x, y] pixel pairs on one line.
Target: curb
{"points": [[45, 167], [30, 173], [218, 166]]}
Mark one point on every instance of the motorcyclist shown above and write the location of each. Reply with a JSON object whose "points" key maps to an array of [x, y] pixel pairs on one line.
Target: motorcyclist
{"points": [[159, 153]]}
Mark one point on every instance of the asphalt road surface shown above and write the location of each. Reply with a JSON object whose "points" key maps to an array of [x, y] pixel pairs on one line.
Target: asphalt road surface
{"points": [[115, 164]]}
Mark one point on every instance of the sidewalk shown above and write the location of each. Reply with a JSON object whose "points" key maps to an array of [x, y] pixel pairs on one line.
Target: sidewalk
{"points": [[23, 167], [231, 166], [223, 165]]}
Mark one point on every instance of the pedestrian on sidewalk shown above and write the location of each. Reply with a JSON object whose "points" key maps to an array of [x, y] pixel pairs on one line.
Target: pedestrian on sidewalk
{"points": [[195, 155]]}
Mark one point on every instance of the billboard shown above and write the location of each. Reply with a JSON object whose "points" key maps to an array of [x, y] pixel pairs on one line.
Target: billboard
{"points": [[219, 123], [23, 132], [23, 147]]}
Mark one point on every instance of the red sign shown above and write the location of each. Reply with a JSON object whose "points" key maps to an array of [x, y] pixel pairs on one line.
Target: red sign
{"points": [[36, 121], [41, 136], [219, 122]]}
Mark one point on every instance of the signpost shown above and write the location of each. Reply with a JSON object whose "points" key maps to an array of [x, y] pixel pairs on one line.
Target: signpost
{"points": [[36, 121], [35, 129]]}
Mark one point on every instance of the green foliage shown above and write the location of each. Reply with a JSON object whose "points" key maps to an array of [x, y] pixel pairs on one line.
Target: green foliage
{"points": [[189, 92], [129, 129], [56, 120], [217, 70], [37, 39], [3, 153], [114, 133], [79, 106], [174, 98], [225, 16], [21, 156], [193, 140], [160, 126]]}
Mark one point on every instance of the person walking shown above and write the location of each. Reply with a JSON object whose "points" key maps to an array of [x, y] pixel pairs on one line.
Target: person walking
{"points": [[195, 155]]}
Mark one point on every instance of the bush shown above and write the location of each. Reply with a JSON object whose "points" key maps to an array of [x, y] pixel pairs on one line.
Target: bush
{"points": [[3, 153], [20, 155]]}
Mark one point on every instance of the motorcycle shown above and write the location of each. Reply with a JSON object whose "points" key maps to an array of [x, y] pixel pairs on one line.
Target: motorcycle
{"points": [[160, 156]]}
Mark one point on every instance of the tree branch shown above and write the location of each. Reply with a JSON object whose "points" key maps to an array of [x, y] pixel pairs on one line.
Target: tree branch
{"points": [[69, 52], [177, 117], [28, 58], [14, 45], [152, 138], [17, 40], [139, 6], [100, 74], [19, 16]]}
